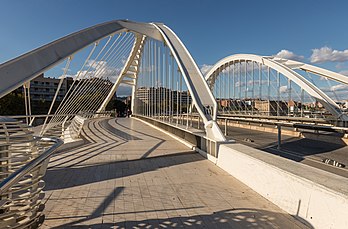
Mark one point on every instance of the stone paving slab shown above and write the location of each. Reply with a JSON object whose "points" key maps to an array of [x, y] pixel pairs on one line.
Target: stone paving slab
{"points": [[146, 179]]}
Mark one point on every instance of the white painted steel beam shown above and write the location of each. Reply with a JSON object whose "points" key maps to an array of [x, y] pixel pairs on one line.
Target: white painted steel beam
{"points": [[14, 73], [20, 70], [312, 69], [199, 90]]}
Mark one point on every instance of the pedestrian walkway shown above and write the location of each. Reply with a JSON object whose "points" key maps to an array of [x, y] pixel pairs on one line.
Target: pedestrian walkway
{"points": [[130, 175]]}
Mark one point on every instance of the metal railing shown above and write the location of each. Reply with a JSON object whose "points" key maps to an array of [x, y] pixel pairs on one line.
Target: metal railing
{"points": [[87, 113], [313, 125], [23, 163], [21, 192], [20, 173], [276, 118]]}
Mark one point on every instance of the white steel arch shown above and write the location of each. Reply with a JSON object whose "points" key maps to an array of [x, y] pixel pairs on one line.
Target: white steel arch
{"points": [[22, 69], [312, 69], [287, 71]]}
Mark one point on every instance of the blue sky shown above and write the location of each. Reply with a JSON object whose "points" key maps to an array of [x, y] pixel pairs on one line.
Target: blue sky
{"points": [[210, 29]]}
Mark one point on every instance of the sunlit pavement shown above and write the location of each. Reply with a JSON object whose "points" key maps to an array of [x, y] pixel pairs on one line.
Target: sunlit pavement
{"points": [[129, 175]]}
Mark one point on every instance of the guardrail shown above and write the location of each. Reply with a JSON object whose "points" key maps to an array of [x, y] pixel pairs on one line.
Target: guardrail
{"points": [[297, 123], [20, 173], [293, 122], [278, 118], [23, 163], [33, 117], [195, 137], [285, 123]]}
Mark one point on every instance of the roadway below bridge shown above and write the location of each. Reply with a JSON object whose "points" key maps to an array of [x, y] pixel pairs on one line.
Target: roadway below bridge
{"points": [[309, 151], [130, 175], [305, 150]]}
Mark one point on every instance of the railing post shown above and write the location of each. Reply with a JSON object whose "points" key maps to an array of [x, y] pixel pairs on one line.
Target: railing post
{"points": [[225, 126], [279, 127], [198, 122], [191, 120]]}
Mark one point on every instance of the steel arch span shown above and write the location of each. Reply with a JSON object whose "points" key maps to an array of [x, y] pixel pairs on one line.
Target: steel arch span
{"points": [[21, 70], [287, 68]]}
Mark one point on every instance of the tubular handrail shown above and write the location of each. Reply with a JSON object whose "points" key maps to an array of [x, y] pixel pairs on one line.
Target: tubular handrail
{"points": [[58, 115], [17, 175], [285, 118], [37, 116], [291, 124], [284, 121]]}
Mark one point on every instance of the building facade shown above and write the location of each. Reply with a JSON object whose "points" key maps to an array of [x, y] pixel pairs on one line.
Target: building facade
{"points": [[44, 88]]}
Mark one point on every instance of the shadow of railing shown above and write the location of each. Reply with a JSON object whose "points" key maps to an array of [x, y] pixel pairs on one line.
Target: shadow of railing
{"points": [[101, 130], [119, 169]]}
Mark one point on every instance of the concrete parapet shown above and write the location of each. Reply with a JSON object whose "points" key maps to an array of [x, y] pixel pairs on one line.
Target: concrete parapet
{"points": [[319, 197]]}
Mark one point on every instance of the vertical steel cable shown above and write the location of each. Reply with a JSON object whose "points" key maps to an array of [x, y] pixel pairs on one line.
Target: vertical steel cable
{"points": [[56, 94]]}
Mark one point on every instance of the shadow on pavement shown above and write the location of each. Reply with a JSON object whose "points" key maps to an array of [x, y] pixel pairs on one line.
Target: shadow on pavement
{"points": [[231, 218], [113, 170]]}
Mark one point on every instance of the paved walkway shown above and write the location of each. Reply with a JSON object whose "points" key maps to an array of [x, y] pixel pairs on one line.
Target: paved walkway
{"points": [[129, 175]]}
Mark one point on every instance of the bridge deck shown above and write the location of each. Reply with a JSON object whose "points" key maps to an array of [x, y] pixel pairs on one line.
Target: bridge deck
{"points": [[129, 175]]}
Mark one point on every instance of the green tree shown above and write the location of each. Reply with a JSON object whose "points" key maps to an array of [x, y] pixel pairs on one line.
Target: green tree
{"points": [[118, 105], [12, 104]]}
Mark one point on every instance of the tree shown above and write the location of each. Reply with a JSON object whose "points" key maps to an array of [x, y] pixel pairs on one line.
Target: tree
{"points": [[118, 105], [12, 104]]}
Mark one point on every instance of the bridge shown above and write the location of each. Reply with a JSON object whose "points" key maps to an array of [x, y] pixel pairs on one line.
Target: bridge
{"points": [[178, 161]]}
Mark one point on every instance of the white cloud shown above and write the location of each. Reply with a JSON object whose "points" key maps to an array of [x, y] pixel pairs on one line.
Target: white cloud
{"points": [[339, 87], [96, 64], [338, 91], [326, 54], [205, 68], [99, 69], [286, 54], [283, 89]]}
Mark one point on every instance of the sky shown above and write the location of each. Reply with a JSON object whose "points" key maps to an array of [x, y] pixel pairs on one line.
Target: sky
{"points": [[311, 31]]}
